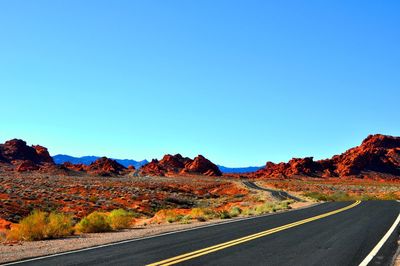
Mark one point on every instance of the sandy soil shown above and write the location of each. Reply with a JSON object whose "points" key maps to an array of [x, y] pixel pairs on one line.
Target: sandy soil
{"points": [[23, 250]]}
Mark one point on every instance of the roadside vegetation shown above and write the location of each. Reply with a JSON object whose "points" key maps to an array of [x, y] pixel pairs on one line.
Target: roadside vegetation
{"points": [[343, 196], [40, 225]]}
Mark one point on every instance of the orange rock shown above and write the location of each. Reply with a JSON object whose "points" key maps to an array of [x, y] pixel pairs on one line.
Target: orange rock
{"points": [[376, 154], [176, 164], [203, 166]]}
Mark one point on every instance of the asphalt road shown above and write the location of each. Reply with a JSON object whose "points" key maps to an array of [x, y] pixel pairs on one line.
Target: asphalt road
{"points": [[343, 238], [280, 195]]}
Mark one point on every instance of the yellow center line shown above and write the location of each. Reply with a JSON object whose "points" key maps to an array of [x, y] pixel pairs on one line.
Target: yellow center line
{"points": [[204, 251]]}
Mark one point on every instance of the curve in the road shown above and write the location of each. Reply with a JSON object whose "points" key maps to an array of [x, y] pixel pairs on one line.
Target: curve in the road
{"points": [[280, 195]]}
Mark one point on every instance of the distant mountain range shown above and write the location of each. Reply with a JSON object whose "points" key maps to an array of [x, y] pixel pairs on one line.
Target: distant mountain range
{"points": [[62, 158], [239, 170]]}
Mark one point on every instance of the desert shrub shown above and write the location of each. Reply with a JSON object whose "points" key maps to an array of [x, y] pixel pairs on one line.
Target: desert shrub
{"points": [[266, 208], [203, 212], [93, 199], [316, 195], [171, 215], [120, 219], [201, 218], [174, 218], [340, 196], [94, 223], [59, 225], [337, 196], [366, 197], [42, 225], [195, 212], [235, 211], [186, 219], [389, 196], [32, 227], [248, 212], [224, 215]]}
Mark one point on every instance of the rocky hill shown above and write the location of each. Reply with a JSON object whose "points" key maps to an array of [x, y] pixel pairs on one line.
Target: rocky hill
{"points": [[377, 154], [21, 157], [177, 164], [102, 166]]}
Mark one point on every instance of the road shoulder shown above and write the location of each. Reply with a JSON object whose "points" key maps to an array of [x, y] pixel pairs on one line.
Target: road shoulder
{"points": [[25, 250]]}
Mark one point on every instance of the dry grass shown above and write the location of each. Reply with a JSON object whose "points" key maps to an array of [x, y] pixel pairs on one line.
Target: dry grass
{"points": [[42, 225]]}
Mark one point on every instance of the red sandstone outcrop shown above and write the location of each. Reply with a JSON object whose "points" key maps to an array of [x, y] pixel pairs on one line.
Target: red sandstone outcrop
{"points": [[177, 164], [296, 166], [377, 153], [23, 157], [43, 154], [105, 166], [75, 167], [102, 166], [203, 166], [153, 168]]}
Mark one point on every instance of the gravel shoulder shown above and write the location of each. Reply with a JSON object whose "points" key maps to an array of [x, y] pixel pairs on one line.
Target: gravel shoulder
{"points": [[24, 250]]}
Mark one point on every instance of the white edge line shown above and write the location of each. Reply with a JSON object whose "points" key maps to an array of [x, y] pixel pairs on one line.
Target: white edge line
{"points": [[378, 246], [148, 237]]}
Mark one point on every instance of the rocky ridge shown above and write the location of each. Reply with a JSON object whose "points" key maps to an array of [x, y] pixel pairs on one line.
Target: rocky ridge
{"points": [[22, 157], [376, 154], [177, 164]]}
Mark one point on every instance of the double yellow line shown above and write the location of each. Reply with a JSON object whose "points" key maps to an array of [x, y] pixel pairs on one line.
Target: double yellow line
{"points": [[204, 251]]}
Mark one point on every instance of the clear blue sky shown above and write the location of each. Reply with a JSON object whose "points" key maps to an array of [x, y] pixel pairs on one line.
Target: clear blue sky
{"points": [[241, 82]]}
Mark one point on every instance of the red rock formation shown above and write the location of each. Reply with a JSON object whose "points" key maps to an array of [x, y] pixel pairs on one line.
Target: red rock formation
{"points": [[377, 153], [176, 164], [296, 166], [174, 161], [26, 166], [203, 166], [75, 167], [17, 149], [43, 154], [23, 157], [153, 168], [168, 165], [131, 168], [105, 166]]}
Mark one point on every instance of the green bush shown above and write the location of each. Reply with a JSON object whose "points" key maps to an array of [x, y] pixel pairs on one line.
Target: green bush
{"points": [[224, 215], [235, 211], [94, 223], [174, 218], [120, 219], [186, 219]]}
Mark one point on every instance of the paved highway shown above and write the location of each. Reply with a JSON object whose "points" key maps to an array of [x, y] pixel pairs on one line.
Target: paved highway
{"points": [[338, 233], [280, 195]]}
